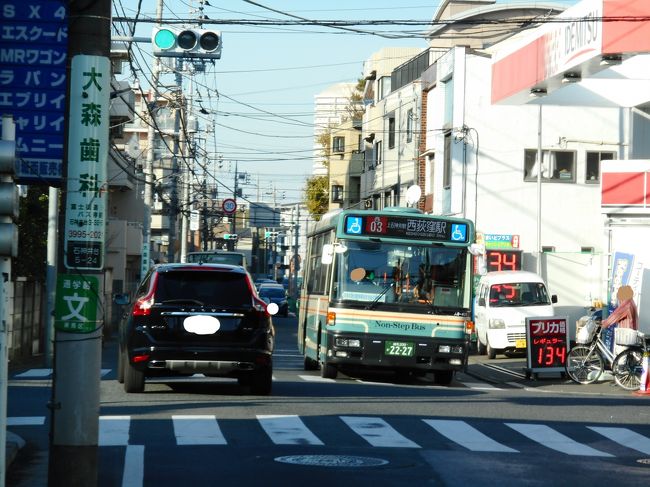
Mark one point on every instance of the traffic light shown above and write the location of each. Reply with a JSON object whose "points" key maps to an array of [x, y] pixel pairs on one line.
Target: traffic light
{"points": [[186, 43], [9, 201], [230, 236]]}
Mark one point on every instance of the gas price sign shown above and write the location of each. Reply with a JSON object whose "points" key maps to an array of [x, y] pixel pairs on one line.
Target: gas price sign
{"points": [[503, 260], [547, 343]]}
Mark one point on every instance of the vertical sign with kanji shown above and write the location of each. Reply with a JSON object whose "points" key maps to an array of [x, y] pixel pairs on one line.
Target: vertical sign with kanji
{"points": [[85, 218], [76, 304]]}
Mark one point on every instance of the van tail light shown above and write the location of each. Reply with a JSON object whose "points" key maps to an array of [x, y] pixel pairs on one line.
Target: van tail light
{"points": [[469, 327]]}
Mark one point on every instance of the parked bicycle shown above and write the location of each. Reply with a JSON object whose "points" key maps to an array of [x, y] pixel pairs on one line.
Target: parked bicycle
{"points": [[586, 361], [628, 365]]}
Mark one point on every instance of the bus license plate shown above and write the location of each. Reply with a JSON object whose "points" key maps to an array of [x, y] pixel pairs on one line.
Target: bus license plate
{"points": [[401, 349], [521, 343]]}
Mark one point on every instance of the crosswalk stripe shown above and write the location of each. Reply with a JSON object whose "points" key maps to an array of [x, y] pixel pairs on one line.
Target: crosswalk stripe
{"points": [[114, 430], [555, 440], [625, 437], [287, 430], [25, 420], [378, 432], [133, 475], [197, 430], [465, 435]]}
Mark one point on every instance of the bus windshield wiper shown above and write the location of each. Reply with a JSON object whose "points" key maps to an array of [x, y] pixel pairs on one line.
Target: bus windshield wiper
{"points": [[379, 296]]}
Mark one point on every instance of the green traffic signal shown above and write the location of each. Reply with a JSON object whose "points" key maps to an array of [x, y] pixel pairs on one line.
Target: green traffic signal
{"points": [[186, 43], [164, 39]]}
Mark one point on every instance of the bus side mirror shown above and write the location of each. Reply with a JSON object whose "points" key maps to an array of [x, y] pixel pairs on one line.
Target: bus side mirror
{"points": [[481, 301], [328, 254]]}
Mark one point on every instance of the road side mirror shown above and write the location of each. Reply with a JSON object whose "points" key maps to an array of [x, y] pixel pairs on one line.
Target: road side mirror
{"points": [[122, 299], [554, 299], [481, 301]]}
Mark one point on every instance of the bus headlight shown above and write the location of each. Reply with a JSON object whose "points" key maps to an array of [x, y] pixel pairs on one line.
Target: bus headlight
{"points": [[348, 342], [497, 323]]}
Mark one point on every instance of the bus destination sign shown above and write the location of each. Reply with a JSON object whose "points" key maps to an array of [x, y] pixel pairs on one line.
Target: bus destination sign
{"points": [[410, 227]]}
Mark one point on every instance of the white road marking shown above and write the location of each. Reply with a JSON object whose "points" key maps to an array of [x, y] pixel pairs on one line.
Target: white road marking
{"points": [[32, 373], [197, 430], [481, 386], [315, 378], [114, 430], [378, 432], [548, 437], [465, 435], [287, 430], [42, 373], [625, 437], [133, 475]]}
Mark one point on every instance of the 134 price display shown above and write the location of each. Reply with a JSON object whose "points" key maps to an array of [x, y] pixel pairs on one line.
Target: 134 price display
{"points": [[547, 344]]}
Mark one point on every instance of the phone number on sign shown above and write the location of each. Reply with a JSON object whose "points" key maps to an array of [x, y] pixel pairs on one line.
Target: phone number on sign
{"points": [[85, 234]]}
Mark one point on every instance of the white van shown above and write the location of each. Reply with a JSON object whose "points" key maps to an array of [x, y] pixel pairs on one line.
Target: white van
{"points": [[503, 302]]}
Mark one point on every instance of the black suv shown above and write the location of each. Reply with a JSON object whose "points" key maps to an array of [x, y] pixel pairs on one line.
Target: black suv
{"points": [[197, 318]]}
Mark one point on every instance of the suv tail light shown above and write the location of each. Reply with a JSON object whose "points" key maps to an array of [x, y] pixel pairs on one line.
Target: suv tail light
{"points": [[142, 306]]}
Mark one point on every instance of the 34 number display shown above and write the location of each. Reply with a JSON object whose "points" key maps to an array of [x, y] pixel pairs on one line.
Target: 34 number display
{"points": [[503, 260]]}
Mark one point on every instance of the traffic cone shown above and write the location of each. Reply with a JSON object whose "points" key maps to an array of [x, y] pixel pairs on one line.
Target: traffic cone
{"points": [[644, 388]]}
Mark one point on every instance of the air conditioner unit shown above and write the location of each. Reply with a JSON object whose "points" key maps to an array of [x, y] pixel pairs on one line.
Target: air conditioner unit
{"points": [[367, 204]]}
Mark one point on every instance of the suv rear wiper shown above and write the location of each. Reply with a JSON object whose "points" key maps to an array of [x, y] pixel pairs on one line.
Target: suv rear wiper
{"points": [[184, 301]]}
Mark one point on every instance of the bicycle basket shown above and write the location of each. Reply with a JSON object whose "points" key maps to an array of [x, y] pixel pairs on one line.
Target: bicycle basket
{"points": [[626, 336], [586, 330]]}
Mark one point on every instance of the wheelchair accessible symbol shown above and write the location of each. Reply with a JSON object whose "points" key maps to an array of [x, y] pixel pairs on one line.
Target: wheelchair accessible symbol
{"points": [[458, 232], [353, 225]]}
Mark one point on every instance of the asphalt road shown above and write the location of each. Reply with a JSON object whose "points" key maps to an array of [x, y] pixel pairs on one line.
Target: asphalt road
{"points": [[491, 426]]}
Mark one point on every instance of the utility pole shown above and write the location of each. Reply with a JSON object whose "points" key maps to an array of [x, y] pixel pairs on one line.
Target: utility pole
{"points": [[148, 167], [296, 258], [173, 204], [74, 405], [233, 221]]}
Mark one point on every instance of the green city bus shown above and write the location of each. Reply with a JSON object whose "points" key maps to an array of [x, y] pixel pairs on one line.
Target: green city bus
{"points": [[387, 289]]}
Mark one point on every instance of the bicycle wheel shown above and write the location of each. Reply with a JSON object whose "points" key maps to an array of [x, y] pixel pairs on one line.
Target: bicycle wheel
{"points": [[627, 368], [584, 365]]}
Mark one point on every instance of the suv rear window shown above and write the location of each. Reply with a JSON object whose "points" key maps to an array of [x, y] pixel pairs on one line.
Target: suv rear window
{"points": [[218, 288]]}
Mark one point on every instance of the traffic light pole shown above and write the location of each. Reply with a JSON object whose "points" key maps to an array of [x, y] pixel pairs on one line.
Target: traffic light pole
{"points": [[74, 405]]}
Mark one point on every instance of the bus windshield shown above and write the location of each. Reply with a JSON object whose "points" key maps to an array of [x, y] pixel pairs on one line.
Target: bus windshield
{"points": [[417, 275], [215, 257]]}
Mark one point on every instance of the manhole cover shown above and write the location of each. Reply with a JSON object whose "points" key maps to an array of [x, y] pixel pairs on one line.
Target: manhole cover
{"points": [[332, 461]]}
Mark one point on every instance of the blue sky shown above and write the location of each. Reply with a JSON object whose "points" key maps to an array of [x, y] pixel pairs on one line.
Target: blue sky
{"points": [[260, 94]]}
